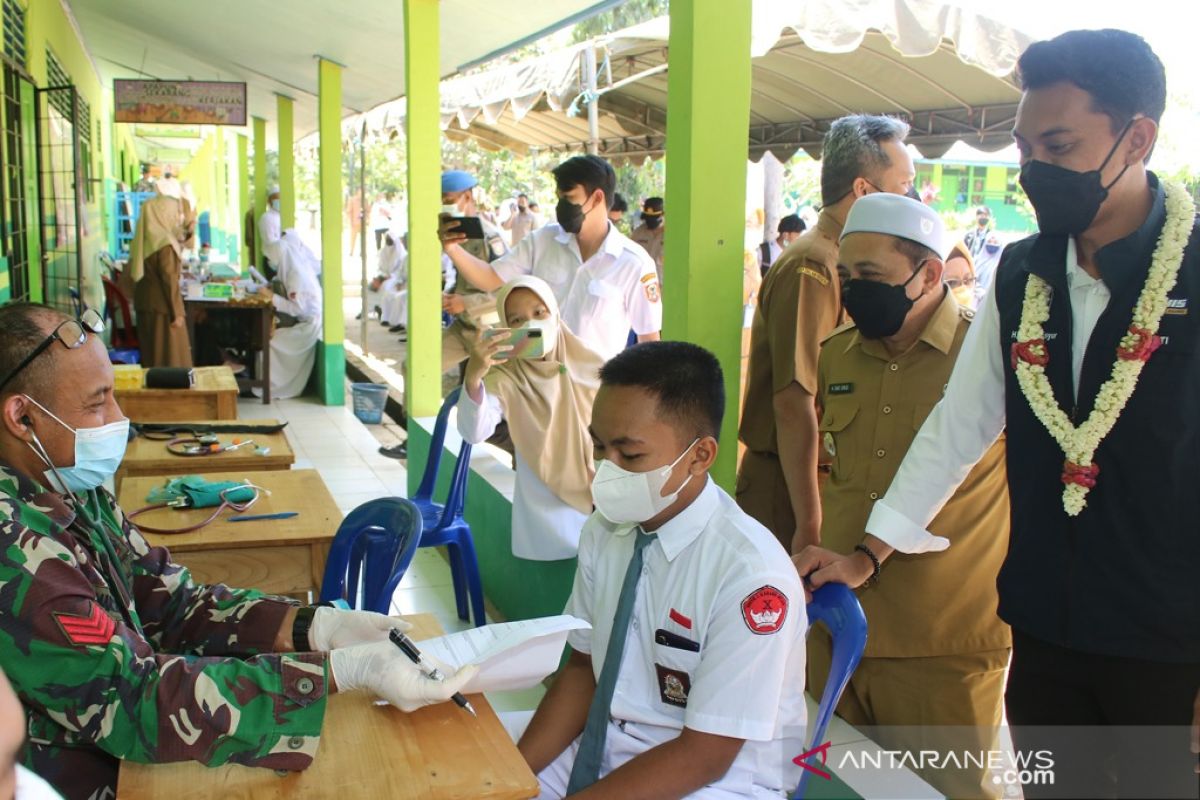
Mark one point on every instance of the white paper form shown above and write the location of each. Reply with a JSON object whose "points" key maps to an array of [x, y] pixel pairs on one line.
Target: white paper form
{"points": [[510, 655]]}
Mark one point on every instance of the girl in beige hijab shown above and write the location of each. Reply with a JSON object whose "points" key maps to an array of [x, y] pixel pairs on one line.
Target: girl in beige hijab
{"points": [[547, 401]]}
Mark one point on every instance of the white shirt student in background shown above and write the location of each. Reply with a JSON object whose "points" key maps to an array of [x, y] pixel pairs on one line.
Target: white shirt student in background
{"points": [[548, 403], [604, 283], [270, 229], [294, 348], [708, 700]]}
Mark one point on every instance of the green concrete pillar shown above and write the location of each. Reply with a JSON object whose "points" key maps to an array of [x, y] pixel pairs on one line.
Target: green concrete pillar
{"points": [[331, 354], [220, 197], [708, 113], [287, 160], [260, 177], [422, 379], [243, 204]]}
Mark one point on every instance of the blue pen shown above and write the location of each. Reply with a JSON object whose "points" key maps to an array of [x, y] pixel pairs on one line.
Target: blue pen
{"points": [[256, 517]]}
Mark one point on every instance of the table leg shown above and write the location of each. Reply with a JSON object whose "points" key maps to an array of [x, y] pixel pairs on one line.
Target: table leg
{"points": [[265, 321]]}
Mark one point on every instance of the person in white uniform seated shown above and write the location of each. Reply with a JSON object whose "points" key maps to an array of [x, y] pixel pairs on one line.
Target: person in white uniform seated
{"points": [[294, 347], [392, 275], [690, 681], [544, 387]]}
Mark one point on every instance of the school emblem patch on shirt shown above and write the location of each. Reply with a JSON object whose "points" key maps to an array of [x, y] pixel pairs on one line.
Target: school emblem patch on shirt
{"points": [[673, 686], [812, 273], [96, 628], [651, 290], [765, 610]]}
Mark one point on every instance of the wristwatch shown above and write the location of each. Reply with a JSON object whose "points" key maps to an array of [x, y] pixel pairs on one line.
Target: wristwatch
{"points": [[300, 626]]}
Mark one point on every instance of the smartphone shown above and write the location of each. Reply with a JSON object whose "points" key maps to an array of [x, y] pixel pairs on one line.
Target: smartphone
{"points": [[525, 342], [471, 226]]}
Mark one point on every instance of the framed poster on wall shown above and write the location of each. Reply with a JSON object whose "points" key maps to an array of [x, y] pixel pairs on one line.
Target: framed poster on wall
{"points": [[180, 102]]}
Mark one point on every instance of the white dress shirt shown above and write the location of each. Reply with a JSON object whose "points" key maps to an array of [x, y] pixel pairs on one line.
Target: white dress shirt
{"points": [[270, 228], [602, 299], [970, 417], [708, 565], [544, 528]]}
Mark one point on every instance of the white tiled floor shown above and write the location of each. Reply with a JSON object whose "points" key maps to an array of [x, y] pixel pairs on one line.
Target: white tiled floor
{"points": [[331, 440]]}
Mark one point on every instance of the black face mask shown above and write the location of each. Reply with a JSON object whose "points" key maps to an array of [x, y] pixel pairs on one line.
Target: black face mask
{"points": [[1066, 201], [878, 309], [652, 222], [569, 215]]}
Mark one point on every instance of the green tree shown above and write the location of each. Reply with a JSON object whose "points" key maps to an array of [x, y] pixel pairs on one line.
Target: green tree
{"points": [[631, 12]]}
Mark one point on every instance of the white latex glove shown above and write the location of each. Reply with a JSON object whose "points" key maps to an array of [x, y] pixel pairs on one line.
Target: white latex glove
{"points": [[336, 627], [381, 668]]}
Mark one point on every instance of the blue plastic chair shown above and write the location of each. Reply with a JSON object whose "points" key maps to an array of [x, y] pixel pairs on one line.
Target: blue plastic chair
{"points": [[376, 543], [444, 523], [837, 607]]}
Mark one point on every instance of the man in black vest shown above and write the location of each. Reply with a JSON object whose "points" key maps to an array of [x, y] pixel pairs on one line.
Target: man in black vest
{"points": [[1100, 584]]}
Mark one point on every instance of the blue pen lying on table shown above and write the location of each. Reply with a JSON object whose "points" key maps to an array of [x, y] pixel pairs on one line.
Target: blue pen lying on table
{"points": [[257, 517]]}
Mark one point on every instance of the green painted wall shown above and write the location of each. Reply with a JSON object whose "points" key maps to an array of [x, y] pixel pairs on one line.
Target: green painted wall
{"points": [[518, 588]]}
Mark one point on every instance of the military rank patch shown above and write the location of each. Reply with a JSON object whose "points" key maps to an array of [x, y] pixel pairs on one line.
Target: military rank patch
{"points": [[673, 686], [841, 388], [651, 290], [812, 273], [765, 610], [96, 628]]}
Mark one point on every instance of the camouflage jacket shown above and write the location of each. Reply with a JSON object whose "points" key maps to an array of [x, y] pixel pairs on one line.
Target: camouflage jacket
{"points": [[116, 654]]}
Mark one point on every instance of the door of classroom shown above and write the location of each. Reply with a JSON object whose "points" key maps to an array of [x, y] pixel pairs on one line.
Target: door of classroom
{"points": [[60, 190]]}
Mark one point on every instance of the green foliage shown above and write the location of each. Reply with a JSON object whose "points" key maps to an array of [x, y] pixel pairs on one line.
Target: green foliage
{"points": [[630, 12]]}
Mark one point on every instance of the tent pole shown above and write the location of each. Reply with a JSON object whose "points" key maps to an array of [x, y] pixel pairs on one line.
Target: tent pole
{"points": [[593, 99], [362, 232]]}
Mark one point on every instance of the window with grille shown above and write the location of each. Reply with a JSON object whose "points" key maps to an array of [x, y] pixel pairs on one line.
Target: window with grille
{"points": [[56, 75], [14, 31]]}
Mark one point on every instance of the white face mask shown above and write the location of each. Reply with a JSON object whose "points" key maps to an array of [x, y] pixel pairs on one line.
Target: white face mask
{"points": [[452, 209], [622, 496], [275, 204], [549, 329]]}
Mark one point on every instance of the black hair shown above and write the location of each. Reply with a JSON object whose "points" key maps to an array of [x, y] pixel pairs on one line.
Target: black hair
{"points": [[22, 328], [686, 379], [792, 224], [591, 172], [653, 204], [1117, 68], [522, 194], [618, 204], [915, 252]]}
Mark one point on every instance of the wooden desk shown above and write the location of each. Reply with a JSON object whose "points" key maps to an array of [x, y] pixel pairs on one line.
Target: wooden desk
{"points": [[213, 396], [277, 556], [255, 316], [149, 457], [367, 751]]}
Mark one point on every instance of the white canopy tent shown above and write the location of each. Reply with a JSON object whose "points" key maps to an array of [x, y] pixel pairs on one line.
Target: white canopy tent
{"points": [[944, 69]]}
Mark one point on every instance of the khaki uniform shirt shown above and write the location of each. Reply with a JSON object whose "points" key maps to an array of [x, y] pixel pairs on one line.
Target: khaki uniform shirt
{"points": [[652, 240], [930, 604], [799, 304]]}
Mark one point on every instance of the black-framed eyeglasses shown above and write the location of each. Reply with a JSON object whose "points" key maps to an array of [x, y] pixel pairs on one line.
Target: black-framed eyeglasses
{"points": [[73, 333]]}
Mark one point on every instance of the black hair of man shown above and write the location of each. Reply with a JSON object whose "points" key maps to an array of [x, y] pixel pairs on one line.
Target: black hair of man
{"points": [[915, 252], [685, 378], [534, 206], [1117, 68], [853, 148], [619, 203], [792, 224], [23, 326], [653, 204], [145, 169], [522, 195], [591, 172]]}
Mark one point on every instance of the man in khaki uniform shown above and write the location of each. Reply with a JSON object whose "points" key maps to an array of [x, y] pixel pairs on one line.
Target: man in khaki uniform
{"points": [[799, 304], [937, 653], [650, 233]]}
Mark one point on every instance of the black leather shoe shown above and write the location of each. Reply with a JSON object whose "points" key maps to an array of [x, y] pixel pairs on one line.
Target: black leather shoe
{"points": [[397, 451]]}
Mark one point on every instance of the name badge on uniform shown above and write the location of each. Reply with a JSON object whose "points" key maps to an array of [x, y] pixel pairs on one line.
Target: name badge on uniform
{"points": [[673, 686], [841, 388], [812, 273]]}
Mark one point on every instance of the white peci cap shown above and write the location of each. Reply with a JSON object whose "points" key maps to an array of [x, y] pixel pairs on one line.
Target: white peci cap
{"points": [[899, 216]]}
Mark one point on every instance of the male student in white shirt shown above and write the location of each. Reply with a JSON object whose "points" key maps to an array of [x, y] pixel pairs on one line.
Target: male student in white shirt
{"points": [[691, 680], [605, 284]]}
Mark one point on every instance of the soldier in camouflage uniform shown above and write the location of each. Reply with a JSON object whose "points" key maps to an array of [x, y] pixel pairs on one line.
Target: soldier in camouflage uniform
{"points": [[113, 650]]}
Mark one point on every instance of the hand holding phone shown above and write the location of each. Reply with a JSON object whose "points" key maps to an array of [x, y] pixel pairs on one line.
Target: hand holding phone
{"points": [[523, 342]]}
